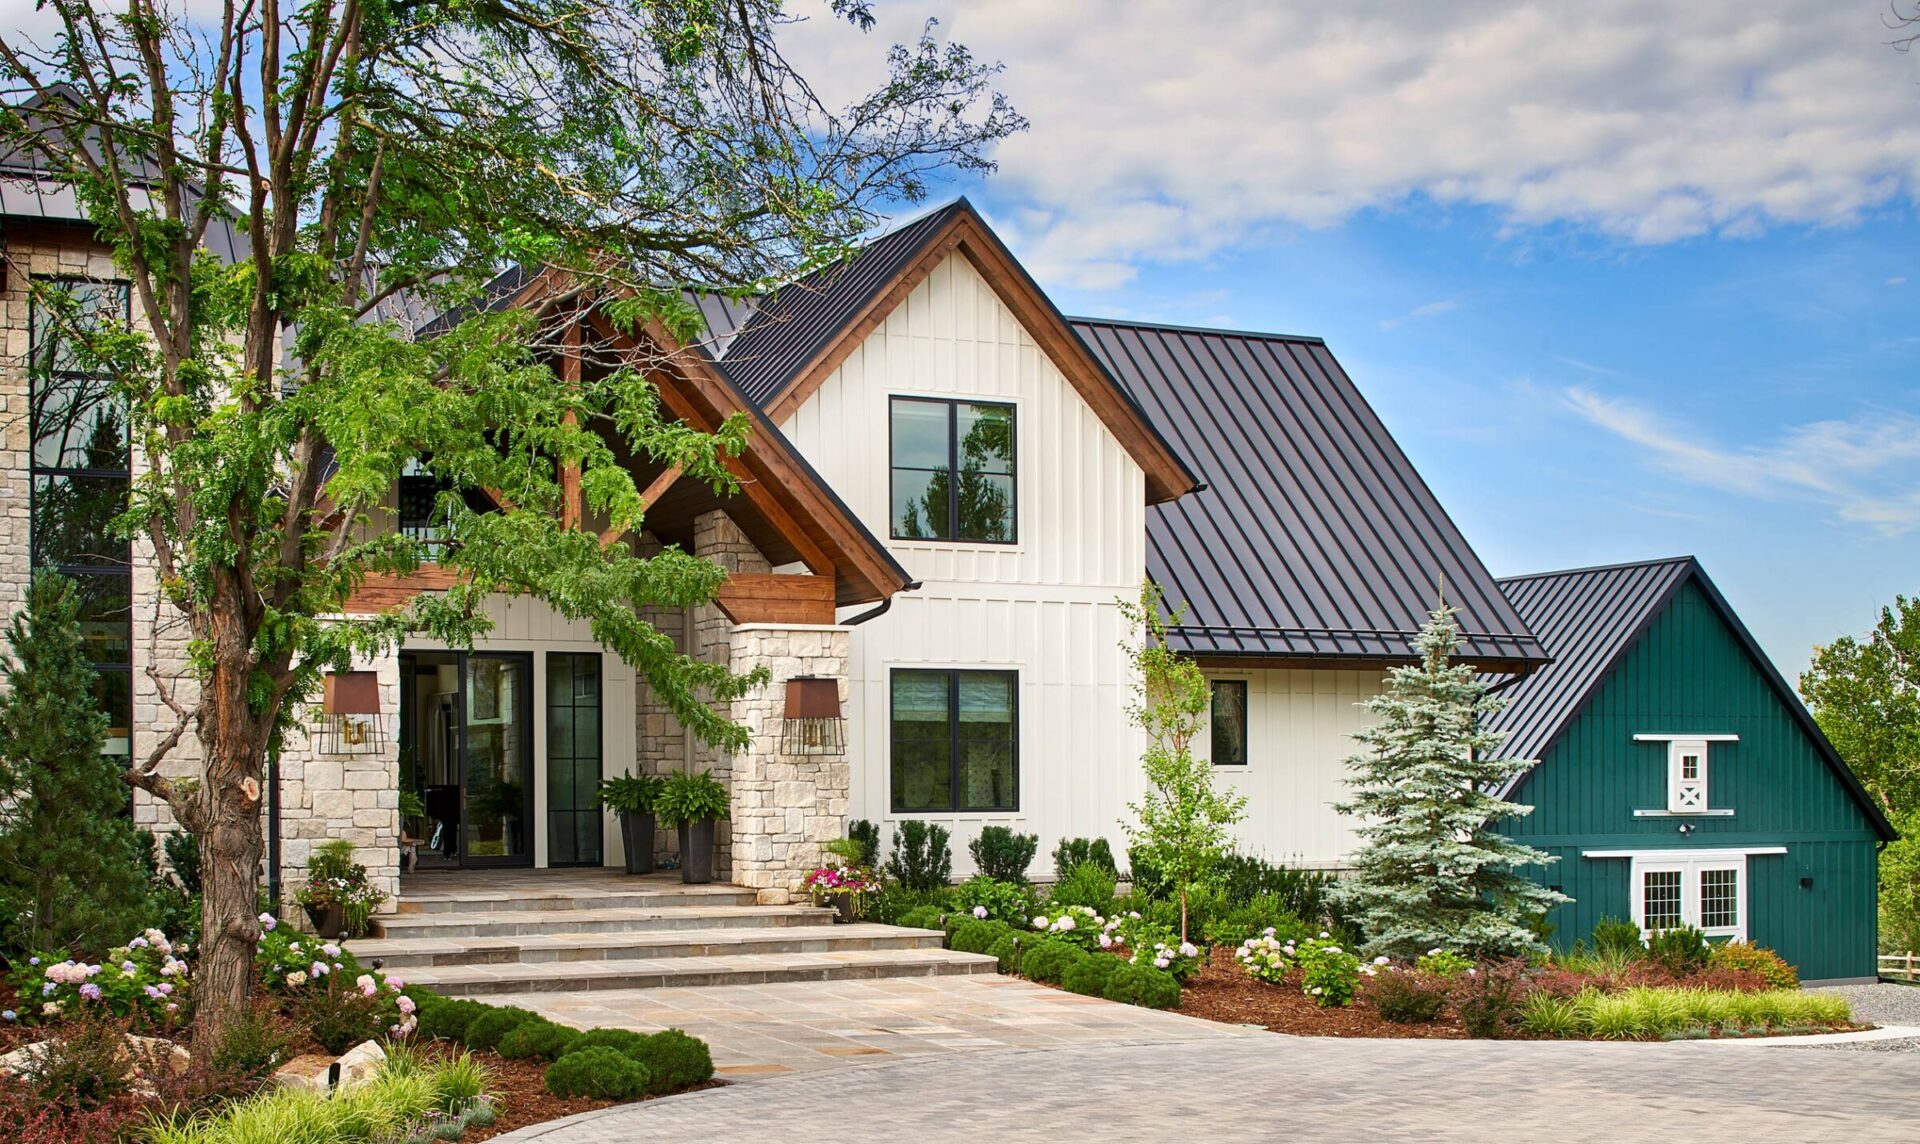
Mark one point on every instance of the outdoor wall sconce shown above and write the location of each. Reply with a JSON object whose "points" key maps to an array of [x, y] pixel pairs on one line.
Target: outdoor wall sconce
{"points": [[350, 720], [813, 724]]}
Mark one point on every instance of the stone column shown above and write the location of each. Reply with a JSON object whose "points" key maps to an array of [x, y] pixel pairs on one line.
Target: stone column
{"points": [[717, 538], [784, 806]]}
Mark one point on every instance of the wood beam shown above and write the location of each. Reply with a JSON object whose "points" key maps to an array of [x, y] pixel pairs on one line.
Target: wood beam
{"points": [[378, 592], [654, 491], [774, 598], [571, 512]]}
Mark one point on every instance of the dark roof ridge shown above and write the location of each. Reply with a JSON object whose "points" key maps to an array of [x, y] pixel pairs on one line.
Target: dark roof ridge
{"points": [[1176, 327], [1652, 562]]}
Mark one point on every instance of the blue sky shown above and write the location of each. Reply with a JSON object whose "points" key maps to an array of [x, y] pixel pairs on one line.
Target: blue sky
{"points": [[1637, 285]]}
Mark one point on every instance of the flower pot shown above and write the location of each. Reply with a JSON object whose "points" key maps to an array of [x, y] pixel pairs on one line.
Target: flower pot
{"points": [[843, 907], [696, 852], [636, 832], [329, 921]]}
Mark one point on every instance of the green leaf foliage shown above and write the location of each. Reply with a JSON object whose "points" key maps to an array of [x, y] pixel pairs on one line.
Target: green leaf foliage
{"points": [[1432, 870], [599, 1072], [921, 860], [72, 865], [1002, 854]]}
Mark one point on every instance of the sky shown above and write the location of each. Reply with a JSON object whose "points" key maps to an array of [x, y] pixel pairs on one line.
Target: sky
{"points": [[1626, 279]]}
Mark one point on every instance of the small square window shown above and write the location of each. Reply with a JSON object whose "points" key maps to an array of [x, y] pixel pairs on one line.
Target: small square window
{"points": [[1687, 776], [952, 467], [1229, 722]]}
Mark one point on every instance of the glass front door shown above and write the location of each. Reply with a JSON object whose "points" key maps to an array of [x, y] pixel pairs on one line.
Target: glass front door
{"points": [[497, 759], [573, 759]]}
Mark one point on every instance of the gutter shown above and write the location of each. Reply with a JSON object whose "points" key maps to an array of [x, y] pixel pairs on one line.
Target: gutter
{"points": [[877, 612]]}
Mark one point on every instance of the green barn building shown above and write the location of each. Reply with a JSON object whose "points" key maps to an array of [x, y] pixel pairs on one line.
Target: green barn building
{"points": [[1678, 777]]}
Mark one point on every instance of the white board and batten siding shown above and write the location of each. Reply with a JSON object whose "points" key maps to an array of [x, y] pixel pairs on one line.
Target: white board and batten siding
{"points": [[1045, 606], [1300, 726], [523, 624]]}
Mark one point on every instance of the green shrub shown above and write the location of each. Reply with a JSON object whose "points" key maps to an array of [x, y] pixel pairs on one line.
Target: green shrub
{"points": [[974, 936], [253, 1043], [674, 1060], [921, 859], [922, 917], [599, 1072], [1617, 939], [541, 1040], [1002, 901], [1073, 852], [895, 901], [1681, 951], [1146, 877], [624, 1040], [1087, 884], [1048, 960], [486, 1030], [1007, 950], [83, 1064], [868, 836], [458, 1083], [1745, 957], [1443, 963], [400, 1097], [1252, 918], [447, 1018], [1141, 985], [1003, 855], [1406, 998], [338, 1015], [1544, 1015], [1329, 972], [1089, 975], [1302, 893]]}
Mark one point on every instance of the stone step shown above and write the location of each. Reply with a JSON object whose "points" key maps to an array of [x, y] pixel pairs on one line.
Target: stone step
{"points": [[662, 973], [612, 896], [519, 923], [546, 949]]}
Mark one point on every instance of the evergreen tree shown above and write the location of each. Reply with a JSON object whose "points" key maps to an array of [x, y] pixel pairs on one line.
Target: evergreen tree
{"points": [[70, 859], [1433, 870], [1183, 828]]}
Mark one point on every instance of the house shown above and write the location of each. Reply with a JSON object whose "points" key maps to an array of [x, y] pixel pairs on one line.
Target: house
{"points": [[1679, 780], [949, 489]]}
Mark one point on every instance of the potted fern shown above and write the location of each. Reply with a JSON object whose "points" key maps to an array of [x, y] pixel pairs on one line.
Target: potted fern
{"points": [[693, 803], [631, 797]]}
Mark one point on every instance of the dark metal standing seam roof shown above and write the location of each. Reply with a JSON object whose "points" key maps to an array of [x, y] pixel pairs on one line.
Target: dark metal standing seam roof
{"points": [[1315, 538], [791, 325], [1589, 618]]}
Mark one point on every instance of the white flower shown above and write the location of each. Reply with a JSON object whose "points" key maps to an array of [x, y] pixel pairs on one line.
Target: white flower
{"points": [[268, 921], [1187, 949], [1324, 933], [1106, 942], [364, 982], [1381, 960], [1065, 924], [1434, 952], [1040, 921], [1159, 963]]}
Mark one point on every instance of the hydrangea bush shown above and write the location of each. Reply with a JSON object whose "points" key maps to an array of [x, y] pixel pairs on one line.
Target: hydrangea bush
{"points": [[1265, 957], [301, 968], [985, 897], [1444, 963], [1330, 974], [1151, 943], [146, 979], [1078, 925]]}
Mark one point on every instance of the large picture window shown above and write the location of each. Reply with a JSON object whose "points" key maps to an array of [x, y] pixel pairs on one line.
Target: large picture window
{"points": [[1229, 722], [80, 480], [955, 740], [931, 442]]}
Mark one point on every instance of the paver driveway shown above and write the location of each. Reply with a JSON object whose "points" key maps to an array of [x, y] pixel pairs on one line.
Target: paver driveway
{"points": [[1292, 1089]]}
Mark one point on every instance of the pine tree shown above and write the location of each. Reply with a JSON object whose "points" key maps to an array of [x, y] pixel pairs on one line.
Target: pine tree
{"points": [[1183, 828], [70, 858], [1433, 870]]}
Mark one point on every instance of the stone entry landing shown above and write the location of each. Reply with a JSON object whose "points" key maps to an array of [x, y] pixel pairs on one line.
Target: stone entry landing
{"points": [[478, 932]]}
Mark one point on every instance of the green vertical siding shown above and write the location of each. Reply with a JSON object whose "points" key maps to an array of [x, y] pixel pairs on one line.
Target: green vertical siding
{"points": [[1689, 674]]}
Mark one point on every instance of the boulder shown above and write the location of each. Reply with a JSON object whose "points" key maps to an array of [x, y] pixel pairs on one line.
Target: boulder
{"points": [[314, 1071]]}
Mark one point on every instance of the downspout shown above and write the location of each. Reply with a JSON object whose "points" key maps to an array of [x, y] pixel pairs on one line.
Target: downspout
{"points": [[876, 612]]}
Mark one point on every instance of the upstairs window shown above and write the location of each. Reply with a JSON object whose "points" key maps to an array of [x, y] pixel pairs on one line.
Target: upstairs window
{"points": [[1687, 776], [934, 440], [1229, 722]]}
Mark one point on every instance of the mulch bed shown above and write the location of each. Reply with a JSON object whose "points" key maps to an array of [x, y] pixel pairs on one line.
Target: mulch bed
{"points": [[1223, 992]]}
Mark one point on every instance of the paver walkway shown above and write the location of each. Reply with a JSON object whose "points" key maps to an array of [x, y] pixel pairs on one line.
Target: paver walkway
{"points": [[1266, 1087], [805, 1027]]}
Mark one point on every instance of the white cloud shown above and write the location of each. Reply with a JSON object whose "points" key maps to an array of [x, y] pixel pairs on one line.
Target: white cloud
{"points": [[1897, 280], [1430, 310], [1864, 471], [1169, 130]]}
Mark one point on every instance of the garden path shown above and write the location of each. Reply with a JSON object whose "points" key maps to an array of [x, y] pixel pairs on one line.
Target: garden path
{"points": [[1269, 1087]]}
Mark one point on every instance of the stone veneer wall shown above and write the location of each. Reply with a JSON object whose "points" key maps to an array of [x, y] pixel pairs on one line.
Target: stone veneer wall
{"points": [[784, 806], [717, 538], [350, 796]]}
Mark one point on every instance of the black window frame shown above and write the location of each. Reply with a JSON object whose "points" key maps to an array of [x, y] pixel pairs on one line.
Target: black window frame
{"points": [[121, 568], [954, 675], [1213, 720], [590, 814], [953, 405]]}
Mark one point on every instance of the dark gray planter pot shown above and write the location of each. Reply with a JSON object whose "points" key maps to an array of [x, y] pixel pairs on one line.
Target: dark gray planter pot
{"points": [[636, 833], [696, 852]]}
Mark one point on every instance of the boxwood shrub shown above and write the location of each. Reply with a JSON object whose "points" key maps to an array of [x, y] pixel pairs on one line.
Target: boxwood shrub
{"points": [[601, 1072], [1090, 974], [1007, 949], [537, 1040], [675, 1061], [1048, 960], [923, 917], [486, 1029], [448, 1017], [1142, 985], [973, 936], [623, 1040]]}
